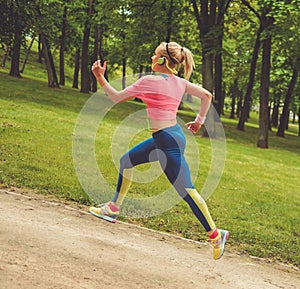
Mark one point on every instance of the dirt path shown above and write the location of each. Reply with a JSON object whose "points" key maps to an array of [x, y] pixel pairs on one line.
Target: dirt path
{"points": [[48, 244]]}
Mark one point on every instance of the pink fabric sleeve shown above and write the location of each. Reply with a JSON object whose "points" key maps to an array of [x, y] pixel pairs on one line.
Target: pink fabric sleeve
{"points": [[137, 89], [114, 95]]}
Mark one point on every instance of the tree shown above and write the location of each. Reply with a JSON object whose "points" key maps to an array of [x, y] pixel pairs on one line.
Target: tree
{"points": [[247, 98], [264, 113], [46, 48], [17, 40], [28, 52], [219, 30], [210, 21], [234, 92], [47, 55], [76, 68], [205, 19], [5, 30], [85, 65], [63, 47], [289, 35], [95, 54], [286, 108], [18, 19], [237, 42]]}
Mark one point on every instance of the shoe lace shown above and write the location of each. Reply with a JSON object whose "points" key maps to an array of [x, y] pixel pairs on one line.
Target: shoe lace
{"points": [[104, 208], [216, 243]]}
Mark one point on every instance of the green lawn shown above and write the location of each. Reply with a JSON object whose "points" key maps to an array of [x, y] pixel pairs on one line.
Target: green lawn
{"points": [[257, 199]]}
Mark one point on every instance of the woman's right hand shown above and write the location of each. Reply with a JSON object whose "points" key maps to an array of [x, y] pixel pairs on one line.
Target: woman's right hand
{"points": [[98, 70], [193, 126]]}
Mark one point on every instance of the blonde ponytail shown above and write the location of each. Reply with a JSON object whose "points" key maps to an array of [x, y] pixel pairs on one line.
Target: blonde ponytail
{"points": [[189, 63], [178, 55]]}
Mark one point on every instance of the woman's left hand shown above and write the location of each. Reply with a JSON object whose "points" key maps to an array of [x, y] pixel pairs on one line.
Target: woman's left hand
{"points": [[193, 126]]}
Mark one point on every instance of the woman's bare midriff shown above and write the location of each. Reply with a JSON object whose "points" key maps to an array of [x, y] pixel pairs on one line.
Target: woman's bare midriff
{"points": [[161, 124]]}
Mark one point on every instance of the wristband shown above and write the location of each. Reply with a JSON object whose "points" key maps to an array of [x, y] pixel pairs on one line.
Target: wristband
{"points": [[200, 119]]}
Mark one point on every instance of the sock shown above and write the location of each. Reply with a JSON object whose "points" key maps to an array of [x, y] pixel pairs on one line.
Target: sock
{"points": [[214, 234], [113, 207]]}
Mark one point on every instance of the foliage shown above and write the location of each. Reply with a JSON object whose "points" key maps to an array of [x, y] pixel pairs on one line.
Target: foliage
{"points": [[131, 29]]}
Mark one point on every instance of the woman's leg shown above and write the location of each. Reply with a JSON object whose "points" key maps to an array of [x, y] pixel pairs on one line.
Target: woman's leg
{"points": [[171, 143], [139, 154]]}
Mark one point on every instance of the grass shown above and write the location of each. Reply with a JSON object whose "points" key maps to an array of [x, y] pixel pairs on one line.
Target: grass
{"points": [[257, 198]]}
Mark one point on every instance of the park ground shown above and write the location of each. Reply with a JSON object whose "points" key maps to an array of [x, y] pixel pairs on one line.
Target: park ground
{"points": [[52, 244]]}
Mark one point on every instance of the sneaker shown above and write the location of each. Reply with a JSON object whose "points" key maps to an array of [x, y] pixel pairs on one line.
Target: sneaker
{"points": [[219, 244], [108, 210]]}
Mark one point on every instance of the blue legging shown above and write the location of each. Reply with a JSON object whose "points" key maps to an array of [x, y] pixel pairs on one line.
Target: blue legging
{"points": [[166, 146]]}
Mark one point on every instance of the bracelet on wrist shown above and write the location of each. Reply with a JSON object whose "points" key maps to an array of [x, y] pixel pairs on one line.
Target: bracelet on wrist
{"points": [[200, 119]]}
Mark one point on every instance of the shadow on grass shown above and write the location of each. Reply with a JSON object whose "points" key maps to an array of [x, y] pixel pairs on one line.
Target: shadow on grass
{"points": [[36, 91], [248, 137]]}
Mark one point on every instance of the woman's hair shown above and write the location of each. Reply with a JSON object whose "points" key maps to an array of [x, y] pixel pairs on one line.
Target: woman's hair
{"points": [[178, 55]]}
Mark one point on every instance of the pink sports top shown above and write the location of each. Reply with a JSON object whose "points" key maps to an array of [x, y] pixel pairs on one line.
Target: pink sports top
{"points": [[161, 95]]}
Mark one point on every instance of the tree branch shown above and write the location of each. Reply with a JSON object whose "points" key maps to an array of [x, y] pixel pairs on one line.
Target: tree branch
{"points": [[246, 3], [142, 4], [197, 15]]}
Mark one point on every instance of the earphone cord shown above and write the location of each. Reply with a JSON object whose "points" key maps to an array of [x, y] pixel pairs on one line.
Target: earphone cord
{"points": [[171, 69]]}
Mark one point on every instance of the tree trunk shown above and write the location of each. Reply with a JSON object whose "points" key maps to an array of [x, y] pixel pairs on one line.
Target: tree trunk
{"points": [[27, 53], [169, 22], [210, 19], [219, 100], [245, 109], [264, 112], [123, 72], [285, 112], [95, 57], [189, 98], [85, 69], [141, 69], [51, 71], [232, 111], [219, 27], [299, 119], [46, 53], [76, 68], [275, 114], [101, 52], [40, 54], [62, 48], [294, 118], [15, 60], [234, 93], [206, 20], [5, 56], [239, 105]]}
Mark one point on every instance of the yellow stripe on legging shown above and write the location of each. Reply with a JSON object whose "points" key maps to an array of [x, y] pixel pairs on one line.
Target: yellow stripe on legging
{"points": [[126, 182], [199, 201]]}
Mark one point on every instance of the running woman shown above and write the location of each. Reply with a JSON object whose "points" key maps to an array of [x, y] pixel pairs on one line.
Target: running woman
{"points": [[162, 94]]}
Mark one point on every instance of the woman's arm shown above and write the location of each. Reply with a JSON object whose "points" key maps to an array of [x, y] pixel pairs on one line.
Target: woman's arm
{"points": [[206, 98], [113, 94]]}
